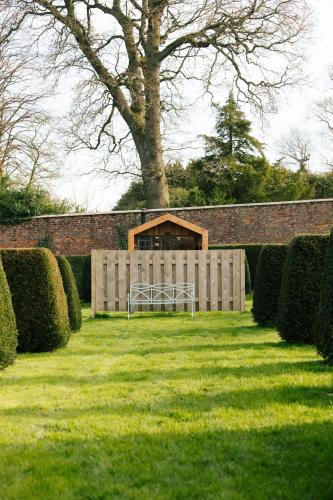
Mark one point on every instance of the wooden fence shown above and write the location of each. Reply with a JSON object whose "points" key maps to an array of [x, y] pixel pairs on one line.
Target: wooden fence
{"points": [[218, 275]]}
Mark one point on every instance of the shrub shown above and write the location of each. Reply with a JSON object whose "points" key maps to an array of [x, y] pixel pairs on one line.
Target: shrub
{"points": [[8, 331], [72, 294], [300, 288], [252, 253], [38, 297], [268, 284], [248, 288], [324, 330], [81, 266]]}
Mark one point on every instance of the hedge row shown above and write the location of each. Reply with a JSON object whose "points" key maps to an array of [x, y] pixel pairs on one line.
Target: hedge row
{"points": [[300, 289], [38, 298], [252, 254], [324, 331], [268, 283], [72, 294], [248, 283], [8, 331], [81, 266]]}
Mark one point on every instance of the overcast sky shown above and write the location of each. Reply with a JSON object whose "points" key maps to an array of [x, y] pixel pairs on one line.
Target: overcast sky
{"points": [[295, 111]]}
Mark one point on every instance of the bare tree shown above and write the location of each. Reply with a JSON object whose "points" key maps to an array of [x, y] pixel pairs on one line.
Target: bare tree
{"points": [[324, 109], [26, 153], [297, 149], [323, 112], [135, 54]]}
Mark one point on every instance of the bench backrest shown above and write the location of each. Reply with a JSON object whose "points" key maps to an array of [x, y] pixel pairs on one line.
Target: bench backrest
{"points": [[162, 293]]}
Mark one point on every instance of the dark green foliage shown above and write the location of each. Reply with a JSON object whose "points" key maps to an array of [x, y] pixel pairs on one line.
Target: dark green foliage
{"points": [[233, 139], [122, 231], [17, 201], [300, 288], [252, 253], [72, 294], [8, 331], [234, 169], [248, 287], [268, 283], [324, 330], [81, 266], [46, 242], [38, 297]]}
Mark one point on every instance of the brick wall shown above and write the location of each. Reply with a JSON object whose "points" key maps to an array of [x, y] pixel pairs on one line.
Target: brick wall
{"points": [[229, 224]]}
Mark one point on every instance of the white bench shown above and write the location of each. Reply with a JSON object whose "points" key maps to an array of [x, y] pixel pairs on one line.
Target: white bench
{"points": [[161, 294]]}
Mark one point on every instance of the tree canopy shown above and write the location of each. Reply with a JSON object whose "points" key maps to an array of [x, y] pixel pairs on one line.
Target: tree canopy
{"points": [[133, 56], [27, 201], [234, 169]]}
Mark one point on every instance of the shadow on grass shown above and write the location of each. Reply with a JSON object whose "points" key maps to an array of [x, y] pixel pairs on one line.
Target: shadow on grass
{"points": [[206, 397], [178, 315], [197, 373], [117, 350], [289, 462]]}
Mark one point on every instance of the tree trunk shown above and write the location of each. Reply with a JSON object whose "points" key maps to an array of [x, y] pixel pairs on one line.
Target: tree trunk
{"points": [[154, 179], [152, 164]]}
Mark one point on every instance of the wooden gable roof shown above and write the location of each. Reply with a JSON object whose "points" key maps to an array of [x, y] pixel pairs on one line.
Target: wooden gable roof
{"points": [[168, 218]]}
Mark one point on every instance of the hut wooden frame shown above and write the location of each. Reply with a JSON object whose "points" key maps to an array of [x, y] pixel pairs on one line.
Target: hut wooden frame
{"points": [[132, 233]]}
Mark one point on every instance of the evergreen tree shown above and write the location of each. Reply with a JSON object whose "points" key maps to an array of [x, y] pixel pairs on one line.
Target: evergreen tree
{"points": [[234, 140]]}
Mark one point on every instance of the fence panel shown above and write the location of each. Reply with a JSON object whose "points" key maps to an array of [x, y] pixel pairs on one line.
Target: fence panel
{"points": [[218, 276]]}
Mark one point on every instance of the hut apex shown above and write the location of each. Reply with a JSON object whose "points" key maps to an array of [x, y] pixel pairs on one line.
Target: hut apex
{"points": [[168, 232]]}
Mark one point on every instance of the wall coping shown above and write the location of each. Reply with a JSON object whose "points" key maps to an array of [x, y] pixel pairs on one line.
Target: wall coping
{"points": [[183, 209]]}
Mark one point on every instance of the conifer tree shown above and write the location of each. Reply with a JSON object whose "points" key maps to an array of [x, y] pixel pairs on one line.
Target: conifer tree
{"points": [[234, 140]]}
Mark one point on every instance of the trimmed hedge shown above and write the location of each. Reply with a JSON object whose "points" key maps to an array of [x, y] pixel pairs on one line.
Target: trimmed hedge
{"points": [[81, 266], [300, 288], [38, 297], [268, 283], [8, 331], [252, 254], [324, 330], [72, 294], [248, 287]]}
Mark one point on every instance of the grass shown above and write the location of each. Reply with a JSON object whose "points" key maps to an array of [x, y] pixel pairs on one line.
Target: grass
{"points": [[166, 407]]}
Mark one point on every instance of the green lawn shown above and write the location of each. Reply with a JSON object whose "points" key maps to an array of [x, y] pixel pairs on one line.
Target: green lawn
{"points": [[163, 406]]}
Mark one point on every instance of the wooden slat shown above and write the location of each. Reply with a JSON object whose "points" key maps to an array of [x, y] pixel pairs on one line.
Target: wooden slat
{"points": [[225, 268], [168, 273], [157, 256], [242, 277], [202, 287], [213, 272], [93, 283], [190, 270], [122, 287], [236, 281], [111, 280], [133, 260], [180, 273], [145, 257], [99, 281]]}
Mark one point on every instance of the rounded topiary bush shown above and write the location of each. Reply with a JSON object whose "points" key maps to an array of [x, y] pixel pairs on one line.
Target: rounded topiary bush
{"points": [[268, 283], [38, 298], [300, 288], [8, 331], [324, 330], [72, 294]]}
